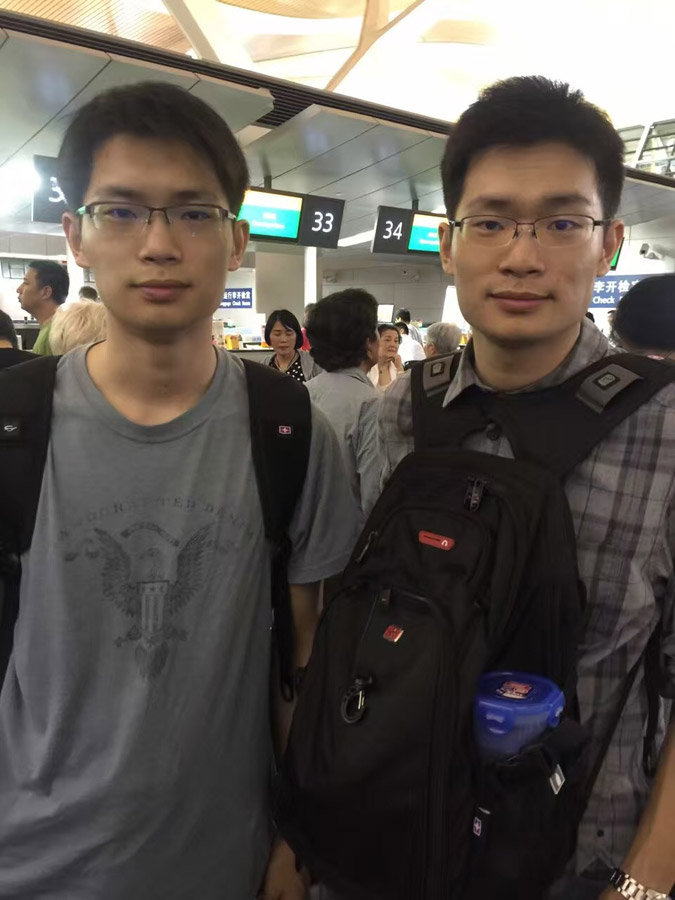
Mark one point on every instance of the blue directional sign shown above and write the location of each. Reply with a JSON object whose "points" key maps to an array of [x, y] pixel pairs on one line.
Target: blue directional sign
{"points": [[609, 289], [237, 298]]}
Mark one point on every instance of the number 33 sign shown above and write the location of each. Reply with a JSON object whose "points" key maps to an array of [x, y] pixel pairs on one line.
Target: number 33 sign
{"points": [[321, 221]]}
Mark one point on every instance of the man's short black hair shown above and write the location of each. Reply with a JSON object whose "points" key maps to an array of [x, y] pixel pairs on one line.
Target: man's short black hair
{"points": [[403, 315], [645, 316], [151, 109], [54, 275], [7, 329], [87, 292], [339, 326], [288, 320], [308, 309], [402, 326], [523, 111]]}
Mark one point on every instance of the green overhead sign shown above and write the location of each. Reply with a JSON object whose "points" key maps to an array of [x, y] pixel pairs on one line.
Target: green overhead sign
{"points": [[272, 215]]}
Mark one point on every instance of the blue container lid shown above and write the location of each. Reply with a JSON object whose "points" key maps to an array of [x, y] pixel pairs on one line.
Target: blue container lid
{"points": [[519, 695]]}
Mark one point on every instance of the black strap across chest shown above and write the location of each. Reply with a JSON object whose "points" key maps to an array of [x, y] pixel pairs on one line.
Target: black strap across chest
{"points": [[555, 428]]}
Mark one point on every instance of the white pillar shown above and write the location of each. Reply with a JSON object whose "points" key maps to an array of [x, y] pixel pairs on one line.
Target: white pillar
{"points": [[279, 282], [311, 275], [451, 311]]}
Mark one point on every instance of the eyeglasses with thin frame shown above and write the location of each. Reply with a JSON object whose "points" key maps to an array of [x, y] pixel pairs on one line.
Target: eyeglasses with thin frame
{"points": [[562, 230], [190, 219]]}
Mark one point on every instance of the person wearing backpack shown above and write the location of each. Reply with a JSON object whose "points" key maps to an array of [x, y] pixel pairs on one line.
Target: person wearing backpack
{"points": [[178, 492], [520, 556], [528, 149], [10, 354]]}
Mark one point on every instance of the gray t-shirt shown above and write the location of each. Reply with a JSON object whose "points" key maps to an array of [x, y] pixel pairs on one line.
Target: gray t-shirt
{"points": [[351, 401], [134, 718]]}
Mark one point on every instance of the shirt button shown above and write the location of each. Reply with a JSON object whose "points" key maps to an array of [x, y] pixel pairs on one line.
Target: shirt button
{"points": [[493, 431]]}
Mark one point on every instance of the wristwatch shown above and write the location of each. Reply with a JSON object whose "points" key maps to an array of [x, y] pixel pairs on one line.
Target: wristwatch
{"points": [[631, 889]]}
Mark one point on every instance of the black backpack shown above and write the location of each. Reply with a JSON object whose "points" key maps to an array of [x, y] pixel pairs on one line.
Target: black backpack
{"points": [[281, 426], [467, 565]]}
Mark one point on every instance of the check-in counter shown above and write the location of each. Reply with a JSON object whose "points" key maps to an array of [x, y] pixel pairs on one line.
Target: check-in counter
{"points": [[28, 332], [257, 355]]}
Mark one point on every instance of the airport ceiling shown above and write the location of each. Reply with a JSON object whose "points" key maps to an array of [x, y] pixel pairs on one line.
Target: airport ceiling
{"points": [[321, 144], [431, 56]]}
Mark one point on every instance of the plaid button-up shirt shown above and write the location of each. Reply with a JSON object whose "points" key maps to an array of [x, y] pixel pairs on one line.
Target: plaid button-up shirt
{"points": [[622, 502]]}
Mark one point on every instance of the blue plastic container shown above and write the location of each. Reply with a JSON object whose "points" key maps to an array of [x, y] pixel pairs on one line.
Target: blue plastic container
{"points": [[512, 710]]}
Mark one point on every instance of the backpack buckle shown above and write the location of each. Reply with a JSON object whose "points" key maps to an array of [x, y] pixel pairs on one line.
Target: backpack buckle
{"points": [[474, 494], [353, 706]]}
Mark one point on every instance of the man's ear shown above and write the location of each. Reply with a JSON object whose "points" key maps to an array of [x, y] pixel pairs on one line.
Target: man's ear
{"points": [[72, 225], [445, 233], [241, 236], [613, 236]]}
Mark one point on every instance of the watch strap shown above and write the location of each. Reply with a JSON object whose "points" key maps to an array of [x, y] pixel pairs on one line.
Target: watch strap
{"points": [[631, 889]]}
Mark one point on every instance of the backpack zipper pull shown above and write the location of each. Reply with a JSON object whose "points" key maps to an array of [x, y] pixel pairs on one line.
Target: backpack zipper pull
{"points": [[474, 494], [366, 547]]}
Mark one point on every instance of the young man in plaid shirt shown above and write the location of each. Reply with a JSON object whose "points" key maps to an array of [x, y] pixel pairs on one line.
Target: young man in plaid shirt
{"points": [[532, 178]]}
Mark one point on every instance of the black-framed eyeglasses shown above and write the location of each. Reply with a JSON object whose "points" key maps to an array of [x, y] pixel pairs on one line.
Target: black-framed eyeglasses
{"points": [[563, 230], [189, 219]]}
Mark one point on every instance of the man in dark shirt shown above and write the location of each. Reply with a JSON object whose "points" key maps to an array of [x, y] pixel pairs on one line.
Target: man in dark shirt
{"points": [[10, 355]]}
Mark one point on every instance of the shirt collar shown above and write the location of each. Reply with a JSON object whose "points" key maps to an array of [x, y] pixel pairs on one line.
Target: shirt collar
{"points": [[358, 373], [591, 346]]}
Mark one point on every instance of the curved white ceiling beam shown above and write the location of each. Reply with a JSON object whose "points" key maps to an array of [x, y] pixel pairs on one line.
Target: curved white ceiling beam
{"points": [[205, 25], [375, 26]]}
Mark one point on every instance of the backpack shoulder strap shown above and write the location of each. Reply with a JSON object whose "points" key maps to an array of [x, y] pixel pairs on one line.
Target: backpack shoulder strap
{"points": [[281, 433], [429, 382], [556, 428], [595, 401], [650, 659], [26, 393], [652, 688]]}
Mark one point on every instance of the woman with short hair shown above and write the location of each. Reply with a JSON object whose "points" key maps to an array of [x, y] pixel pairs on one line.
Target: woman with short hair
{"points": [[389, 365], [284, 335], [342, 330]]}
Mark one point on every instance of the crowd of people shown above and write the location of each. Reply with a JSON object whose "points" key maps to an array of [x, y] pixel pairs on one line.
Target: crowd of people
{"points": [[135, 740]]}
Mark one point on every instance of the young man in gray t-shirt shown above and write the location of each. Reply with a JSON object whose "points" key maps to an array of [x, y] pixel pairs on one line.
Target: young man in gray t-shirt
{"points": [[135, 743]]}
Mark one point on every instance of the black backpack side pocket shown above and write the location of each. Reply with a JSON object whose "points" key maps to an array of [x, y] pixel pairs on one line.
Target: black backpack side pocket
{"points": [[527, 814]]}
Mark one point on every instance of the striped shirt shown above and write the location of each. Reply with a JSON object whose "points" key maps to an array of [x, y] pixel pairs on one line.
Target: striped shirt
{"points": [[622, 503]]}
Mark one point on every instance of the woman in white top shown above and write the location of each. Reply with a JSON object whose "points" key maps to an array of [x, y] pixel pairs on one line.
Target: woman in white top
{"points": [[410, 350], [389, 365]]}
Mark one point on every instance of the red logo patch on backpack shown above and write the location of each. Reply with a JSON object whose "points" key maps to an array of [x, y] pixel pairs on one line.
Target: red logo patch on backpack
{"points": [[393, 634], [439, 541]]}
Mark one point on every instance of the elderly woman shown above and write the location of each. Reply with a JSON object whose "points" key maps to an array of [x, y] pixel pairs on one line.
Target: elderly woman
{"points": [[342, 330], [285, 337], [76, 324], [441, 338], [388, 366]]}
